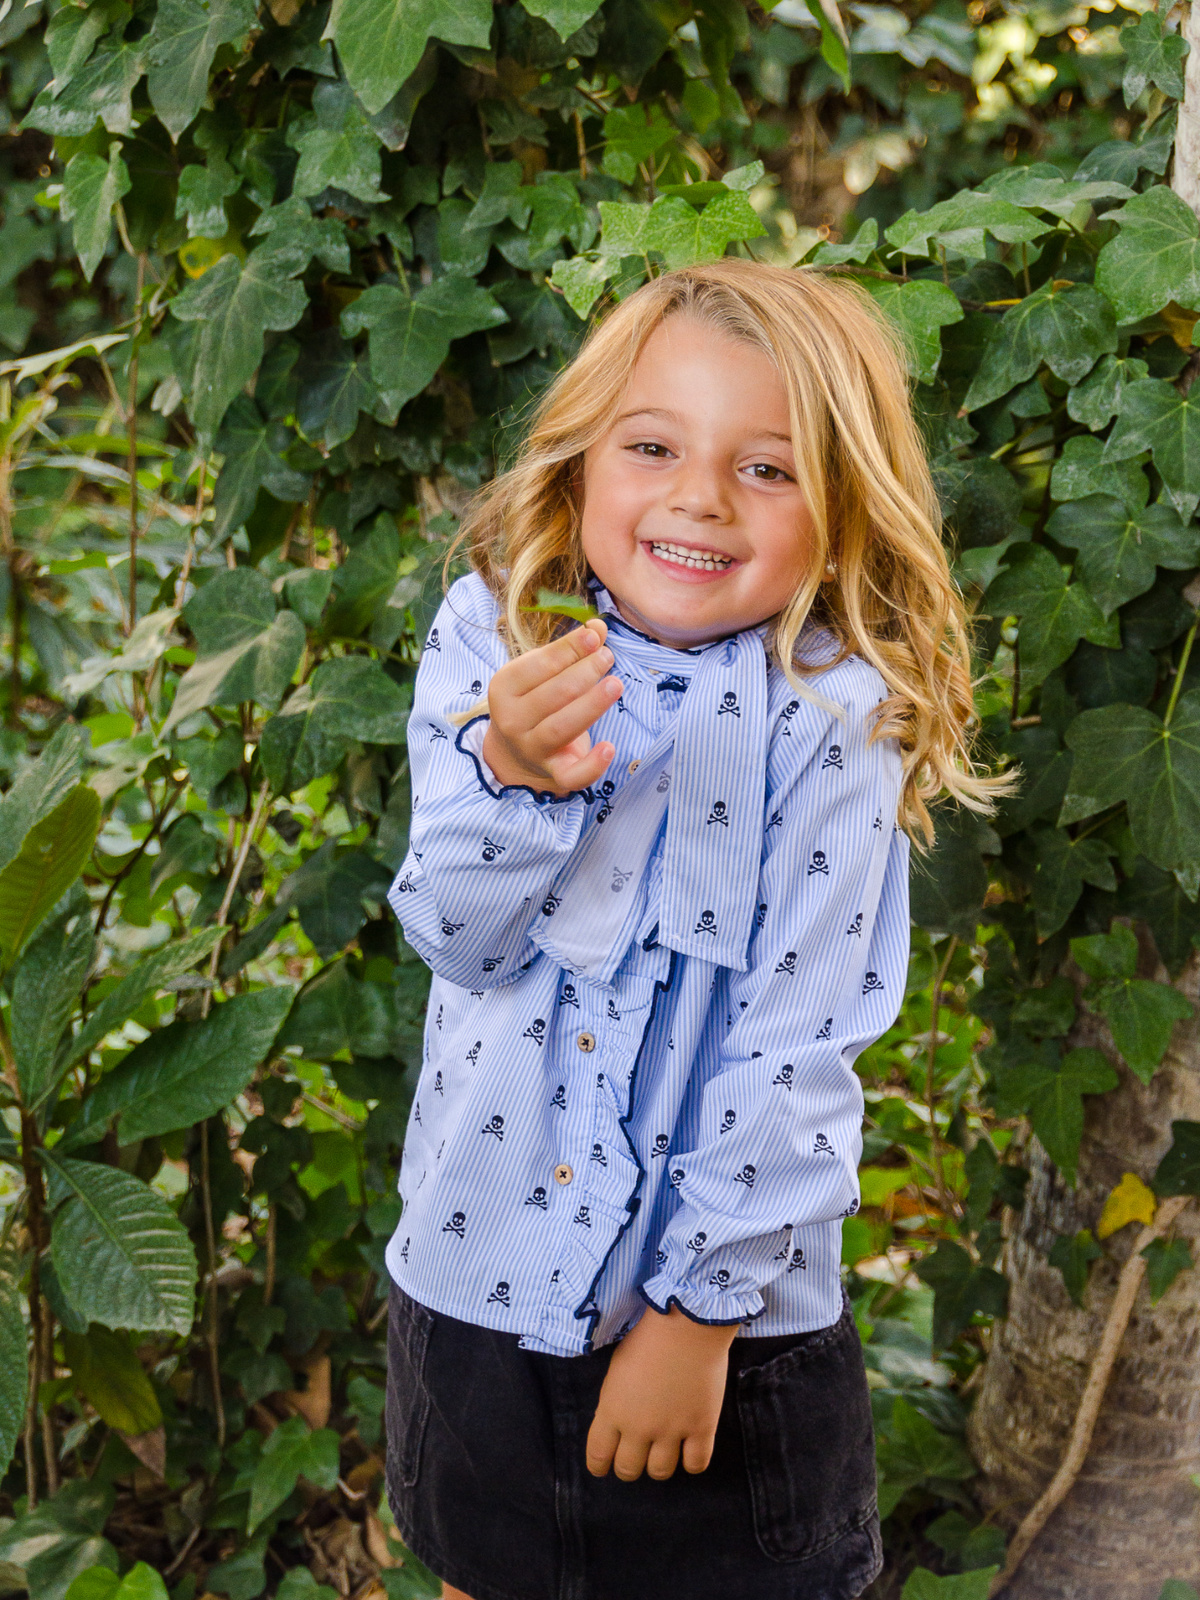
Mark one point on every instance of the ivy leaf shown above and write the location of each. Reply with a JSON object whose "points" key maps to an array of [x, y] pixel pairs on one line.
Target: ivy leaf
{"points": [[292, 226], [864, 243], [1165, 1260], [1130, 1201], [1072, 1256], [1179, 1170], [1120, 550], [581, 280], [337, 147], [246, 651], [1156, 898], [345, 699], [410, 336], [292, 1452], [1126, 753], [1154, 416], [1142, 1017], [564, 16], [235, 304], [958, 225], [253, 451], [1064, 865], [634, 135], [685, 236], [186, 1071], [121, 1254], [921, 310], [1054, 1099], [70, 37], [1067, 325], [1152, 56], [501, 198], [1043, 188], [202, 195], [1054, 614], [1081, 471], [1098, 398], [380, 43], [91, 189], [183, 42], [328, 891], [62, 1539], [1154, 259], [947, 886], [960, 1289], [103, 87], [1107, 955], [335, 385]]}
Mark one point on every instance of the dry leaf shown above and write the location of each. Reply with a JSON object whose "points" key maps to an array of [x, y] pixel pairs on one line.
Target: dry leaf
{"points": [[313, 1402]]}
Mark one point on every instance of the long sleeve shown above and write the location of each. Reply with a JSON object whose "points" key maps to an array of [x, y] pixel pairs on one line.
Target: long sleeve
{"points": [[781, 1107], [481, 856]]}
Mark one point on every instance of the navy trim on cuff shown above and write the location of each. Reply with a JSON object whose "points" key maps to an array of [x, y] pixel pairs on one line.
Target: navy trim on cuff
{"points": [[705, 1322], [540, 797]]}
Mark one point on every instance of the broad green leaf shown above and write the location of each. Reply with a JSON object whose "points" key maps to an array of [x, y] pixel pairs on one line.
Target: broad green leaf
{"points": [[91, 189], [835, 46], [345, 699], [327, 892], [634, 135], [51, 858], [235, 304], [183, 42], [1054, 1099], [960, 1289], [922, 1584], [684, 236], [258, 668], [1107, 955], [1120, 550], [410, 336], [1131, 1200], [1067, 325], [563, 605], [1097, 399], [1142, 1016], [45, 991], [1152, 56], [365, 579], [335, 385], [292, 226], [1081, 471], [503, 198], [299, 1583], [1043, 188], [1064, 865], [1054, 614], [913, 1452], [121, 1254], [1165, 1260], [1156, 898], [1125, 753], [337, 147], [71, 36], [1072, 1255], [337, 1011], [1154, 416], [291, 1453], [103, 87], [14, 1358], [581, 280], [253, 451], [1154, 259], [1179, 1170], [187, 1071], [203, 192], [564, 16], [863, 245], [41, 788], [107, 1372], [139, 1583], [948, 885], [958, 226], [921, 310], [1047, 1010], [379, 43], [63, 1538], [147, 978]]}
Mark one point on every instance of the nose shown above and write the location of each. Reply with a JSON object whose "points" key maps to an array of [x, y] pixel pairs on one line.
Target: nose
{"points": [[698, 492]]}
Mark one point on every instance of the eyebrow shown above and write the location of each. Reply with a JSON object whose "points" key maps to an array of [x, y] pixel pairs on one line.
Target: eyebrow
{"points": [[673, 416]]}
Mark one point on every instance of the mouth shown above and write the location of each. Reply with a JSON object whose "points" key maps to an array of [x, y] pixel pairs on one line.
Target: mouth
{"points": [[690, 557]]}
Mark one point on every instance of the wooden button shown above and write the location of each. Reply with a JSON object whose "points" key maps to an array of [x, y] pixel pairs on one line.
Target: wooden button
{"points": [[586, 1042], [633, 766], [563, 1173]]}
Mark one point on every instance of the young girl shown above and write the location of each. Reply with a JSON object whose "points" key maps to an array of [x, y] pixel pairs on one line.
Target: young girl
{"points": [[662, 884]]}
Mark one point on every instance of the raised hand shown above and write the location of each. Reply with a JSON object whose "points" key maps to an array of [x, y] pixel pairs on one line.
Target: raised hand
{"points": [[541, 706]]}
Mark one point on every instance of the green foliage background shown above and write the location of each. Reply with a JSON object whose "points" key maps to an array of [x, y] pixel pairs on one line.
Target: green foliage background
{"points": [[277, 284]]}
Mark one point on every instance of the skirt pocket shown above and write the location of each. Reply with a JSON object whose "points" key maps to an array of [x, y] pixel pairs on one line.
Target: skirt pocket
{"points": [[809, 1441], [409, 1328]]}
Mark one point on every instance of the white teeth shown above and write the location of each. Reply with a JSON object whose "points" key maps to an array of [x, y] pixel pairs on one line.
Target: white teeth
{"points": [[698, 561]]}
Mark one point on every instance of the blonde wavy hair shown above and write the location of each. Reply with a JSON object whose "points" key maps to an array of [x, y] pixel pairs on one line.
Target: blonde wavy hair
{"points": [[860, 465]]}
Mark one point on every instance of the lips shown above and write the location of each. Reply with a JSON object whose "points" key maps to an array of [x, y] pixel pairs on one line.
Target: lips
{"points": [[690, 557]]}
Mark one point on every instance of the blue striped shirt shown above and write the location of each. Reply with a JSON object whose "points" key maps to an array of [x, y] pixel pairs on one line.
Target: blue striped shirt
{"points": [[675, 1132]]}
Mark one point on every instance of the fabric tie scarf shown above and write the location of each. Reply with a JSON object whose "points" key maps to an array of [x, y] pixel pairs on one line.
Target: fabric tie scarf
{"points": [[706, 773]]}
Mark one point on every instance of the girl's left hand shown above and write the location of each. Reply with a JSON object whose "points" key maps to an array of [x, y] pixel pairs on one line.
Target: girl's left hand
{"points": [[661, 1398]]}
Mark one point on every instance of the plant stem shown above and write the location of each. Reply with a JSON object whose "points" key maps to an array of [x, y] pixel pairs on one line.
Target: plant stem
{"points": [[252, 828], [41, 1321], [269, 1279], [131, 431], [930, 1085], [1179, 672], [214, 1310]]}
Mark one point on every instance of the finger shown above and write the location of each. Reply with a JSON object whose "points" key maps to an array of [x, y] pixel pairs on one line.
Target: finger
{"points": [[566, 686], [602, 1441], [582, 774], [555, 732], [630, 1460], [663, 1458], [525, 672], [697, 1452]]}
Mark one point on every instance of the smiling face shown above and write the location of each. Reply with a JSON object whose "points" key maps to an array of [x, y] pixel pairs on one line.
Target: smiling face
{"points": [[692, 517]]}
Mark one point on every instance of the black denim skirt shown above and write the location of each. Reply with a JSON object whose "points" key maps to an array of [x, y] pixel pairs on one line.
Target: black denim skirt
{"points": [[487, 1481]]}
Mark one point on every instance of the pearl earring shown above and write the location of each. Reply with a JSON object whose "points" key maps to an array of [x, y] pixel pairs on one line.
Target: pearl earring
{"points": [[830, 570]]}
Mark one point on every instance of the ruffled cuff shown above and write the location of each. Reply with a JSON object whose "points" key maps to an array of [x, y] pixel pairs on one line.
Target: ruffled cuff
{"points": [[719, 1291], [470, 743]]}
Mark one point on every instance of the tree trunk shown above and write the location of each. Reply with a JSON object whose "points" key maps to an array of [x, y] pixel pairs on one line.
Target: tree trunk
{"points": [[1185, 176], [1132, 1518]]}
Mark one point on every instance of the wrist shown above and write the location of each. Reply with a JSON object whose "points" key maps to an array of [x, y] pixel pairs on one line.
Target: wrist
{"points": [[508, 772], [676, 1328]]}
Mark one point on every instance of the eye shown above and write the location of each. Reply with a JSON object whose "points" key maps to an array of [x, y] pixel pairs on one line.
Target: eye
{"points": [[651, 450], [767, 472]]}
